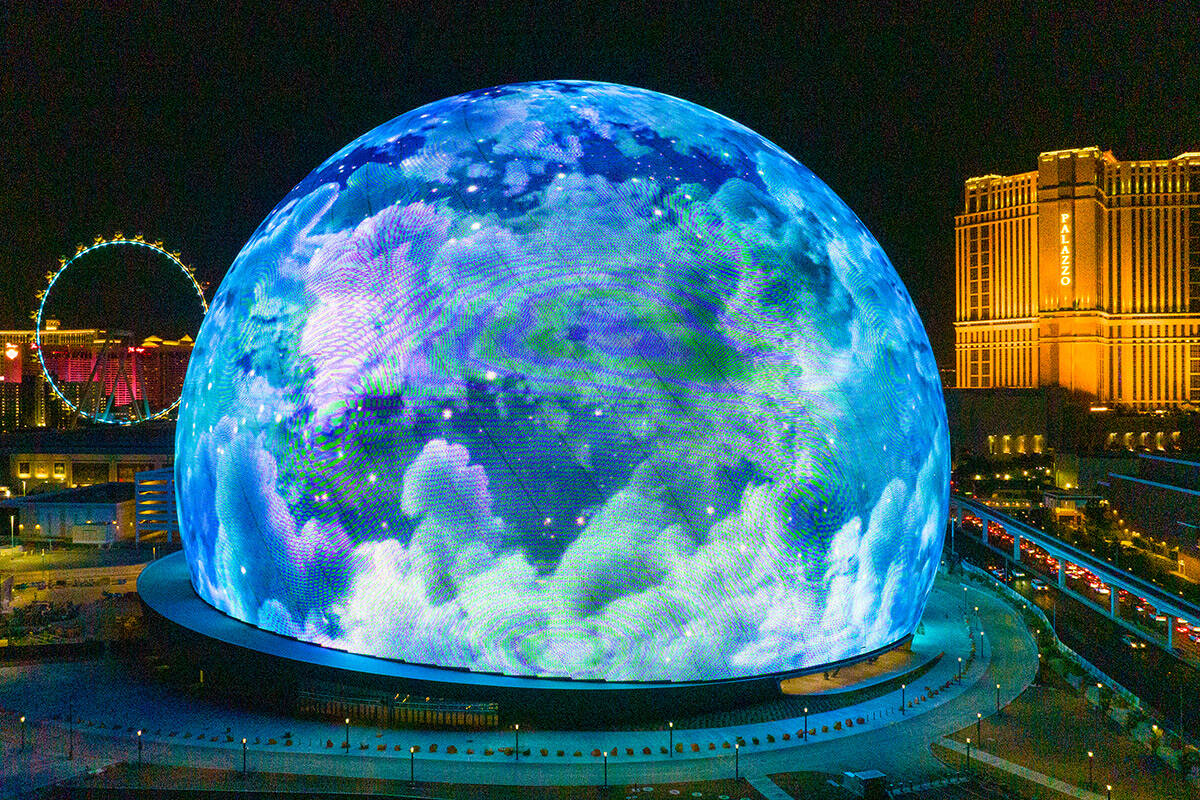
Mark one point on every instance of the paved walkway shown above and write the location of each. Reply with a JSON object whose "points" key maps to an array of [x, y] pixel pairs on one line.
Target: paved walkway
{"points": [[767, 787], [181, 730], [1050, 730], [1016, 770]]}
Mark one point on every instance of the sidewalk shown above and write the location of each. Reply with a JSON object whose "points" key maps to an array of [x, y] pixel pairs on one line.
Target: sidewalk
{"points": [[178, 729], [1049, 731], [196, 783], [1024, 774]]}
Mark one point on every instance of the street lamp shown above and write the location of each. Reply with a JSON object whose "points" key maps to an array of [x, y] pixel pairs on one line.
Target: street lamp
{"points": [[903, 686], [22, 732], [670, 740], [346, 744], [1090, 761], [997, 698], [606, 770], [968, 754], [959, 677], [1108, 791], [139, 738], [737, 749], [978, 722], [517, 740], [806, 723], [243, 756], [412, 764]]}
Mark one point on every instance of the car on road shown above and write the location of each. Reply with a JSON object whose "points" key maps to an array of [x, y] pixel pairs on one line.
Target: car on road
{"points": [[1133, 642], [1039, 585]]}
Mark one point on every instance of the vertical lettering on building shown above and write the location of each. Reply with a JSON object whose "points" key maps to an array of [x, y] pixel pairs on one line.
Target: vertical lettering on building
{"points": [[1064, 253]]}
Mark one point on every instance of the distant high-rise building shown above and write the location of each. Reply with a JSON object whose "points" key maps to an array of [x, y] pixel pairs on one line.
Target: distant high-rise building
{"points": [[163, 366], [89, 366], [1083, 274]]}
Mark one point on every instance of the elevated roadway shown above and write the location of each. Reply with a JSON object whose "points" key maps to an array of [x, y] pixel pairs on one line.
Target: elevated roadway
{"points": [[1174, 607]]}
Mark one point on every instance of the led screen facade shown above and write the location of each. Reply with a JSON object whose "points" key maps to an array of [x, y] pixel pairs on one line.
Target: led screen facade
{"points": [[567, 379]]}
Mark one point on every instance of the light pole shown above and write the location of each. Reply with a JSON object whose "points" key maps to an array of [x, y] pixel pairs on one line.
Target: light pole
{"points": [[412, 764], [139, 738], [968, 754], [22, 731], [737, 749], [978, 722], [12, 536], [1090, 760], [958, 678], [243, 756], [903, 687], [517, 740], [806, 723], [1108, 791], [70, 732], [606, 770], [997, 698], [346, 744], [670, 740]]}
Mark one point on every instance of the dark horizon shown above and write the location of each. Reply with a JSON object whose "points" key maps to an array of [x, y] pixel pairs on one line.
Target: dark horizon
{"points": [[191, 130]]}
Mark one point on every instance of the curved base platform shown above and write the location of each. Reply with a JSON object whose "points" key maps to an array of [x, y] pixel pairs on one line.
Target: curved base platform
{"points": [[242, 662]]}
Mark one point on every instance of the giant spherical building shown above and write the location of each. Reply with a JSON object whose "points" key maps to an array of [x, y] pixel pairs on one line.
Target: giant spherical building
{"points": [[566, 379]]}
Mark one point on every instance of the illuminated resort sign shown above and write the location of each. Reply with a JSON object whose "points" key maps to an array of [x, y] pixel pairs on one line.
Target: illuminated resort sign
{"points": [[1064, 254]]}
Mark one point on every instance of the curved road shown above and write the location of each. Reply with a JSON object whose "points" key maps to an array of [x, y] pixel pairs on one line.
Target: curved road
{"points": [[897, 745]]}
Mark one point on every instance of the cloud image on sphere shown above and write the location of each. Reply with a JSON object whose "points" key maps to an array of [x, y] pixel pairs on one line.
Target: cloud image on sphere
{"points": [[565, 379]]}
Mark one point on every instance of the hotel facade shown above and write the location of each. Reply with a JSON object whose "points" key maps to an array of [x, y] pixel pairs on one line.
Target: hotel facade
{"points": [[1083, 274]]}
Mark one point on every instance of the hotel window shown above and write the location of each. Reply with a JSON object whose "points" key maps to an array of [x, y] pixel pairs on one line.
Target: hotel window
{"points": [[1194, 369], [1037, 443], [23, 469], [60, 469], [1193, 239]]}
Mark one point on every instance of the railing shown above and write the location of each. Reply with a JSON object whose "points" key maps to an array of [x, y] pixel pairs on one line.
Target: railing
{"points": [[1157, 596], [1067, 652], [396, 712]]}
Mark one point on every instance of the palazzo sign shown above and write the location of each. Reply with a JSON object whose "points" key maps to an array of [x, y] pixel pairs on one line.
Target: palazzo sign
{"points": [[1064, 254]]}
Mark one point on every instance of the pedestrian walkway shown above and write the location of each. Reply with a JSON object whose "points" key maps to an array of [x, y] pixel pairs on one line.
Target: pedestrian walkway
{"points": [[1017, 771], [108, 705], [766, 787]]}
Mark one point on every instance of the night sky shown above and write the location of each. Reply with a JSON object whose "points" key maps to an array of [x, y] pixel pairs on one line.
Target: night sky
{"points": [[190, 130]]}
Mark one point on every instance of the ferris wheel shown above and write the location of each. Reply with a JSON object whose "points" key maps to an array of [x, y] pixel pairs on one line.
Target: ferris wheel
{"points": [[106, 375]]}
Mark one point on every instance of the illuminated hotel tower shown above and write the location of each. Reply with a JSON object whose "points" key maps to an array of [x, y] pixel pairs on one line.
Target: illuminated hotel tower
{"points": [[1083, 274]]}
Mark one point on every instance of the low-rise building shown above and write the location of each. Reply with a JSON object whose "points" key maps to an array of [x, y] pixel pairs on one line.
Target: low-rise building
{"points": [[99, 514], [49, 460], [1161, 502]]}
